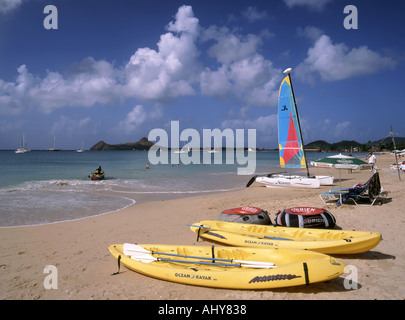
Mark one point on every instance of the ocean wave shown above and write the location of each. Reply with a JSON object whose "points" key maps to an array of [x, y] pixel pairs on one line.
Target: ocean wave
{"points": [[58, 185], [179, 191], [33, 208], [60, 200], [119, 185]]}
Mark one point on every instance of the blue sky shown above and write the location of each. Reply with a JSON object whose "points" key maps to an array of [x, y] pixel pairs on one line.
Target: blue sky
{"points": [[114, 69]]}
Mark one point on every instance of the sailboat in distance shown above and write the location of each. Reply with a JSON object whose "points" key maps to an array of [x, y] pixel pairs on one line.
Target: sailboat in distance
{"points": [[183, 150], [81, 149], [216, 148], [23, 148], [291, 145], [54, 145]]}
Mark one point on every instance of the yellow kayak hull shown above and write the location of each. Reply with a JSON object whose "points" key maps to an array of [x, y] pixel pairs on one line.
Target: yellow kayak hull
{"points": [[265, 236], [292, 267]]}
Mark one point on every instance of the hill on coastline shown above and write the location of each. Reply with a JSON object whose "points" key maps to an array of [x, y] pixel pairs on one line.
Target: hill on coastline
{"points": [[342, 145], [143, 144], [348, 145]]}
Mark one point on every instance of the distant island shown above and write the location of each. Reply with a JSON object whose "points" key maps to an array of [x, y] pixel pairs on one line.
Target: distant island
{"points": [[143, 144]]}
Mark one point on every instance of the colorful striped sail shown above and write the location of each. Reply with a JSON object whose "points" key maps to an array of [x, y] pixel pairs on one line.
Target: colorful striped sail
{"points": [[289, 136]]}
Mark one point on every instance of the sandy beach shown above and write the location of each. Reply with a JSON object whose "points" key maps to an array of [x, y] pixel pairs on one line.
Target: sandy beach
{"points": [[79, 251]]}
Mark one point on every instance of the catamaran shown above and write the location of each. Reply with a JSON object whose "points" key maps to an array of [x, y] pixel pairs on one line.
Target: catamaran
{"points": [[291, 146]]}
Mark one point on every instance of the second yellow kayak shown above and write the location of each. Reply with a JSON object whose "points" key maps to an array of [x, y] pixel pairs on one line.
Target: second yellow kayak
{"points": [[266, 236]]}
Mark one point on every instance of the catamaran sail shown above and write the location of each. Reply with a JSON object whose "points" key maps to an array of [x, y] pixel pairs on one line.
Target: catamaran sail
{"points": [[289, 136], [291, 144]]}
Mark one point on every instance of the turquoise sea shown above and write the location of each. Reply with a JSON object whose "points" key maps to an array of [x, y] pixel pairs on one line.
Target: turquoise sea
{"points": [[40, 187]]}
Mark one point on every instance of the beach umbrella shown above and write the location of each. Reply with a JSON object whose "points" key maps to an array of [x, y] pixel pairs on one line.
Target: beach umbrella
{"points": [[340, 161], [398, 152]]}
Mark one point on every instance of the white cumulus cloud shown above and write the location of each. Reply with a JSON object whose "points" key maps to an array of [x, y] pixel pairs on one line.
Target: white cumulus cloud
{"points": [[336, 61], [168, 72], [138, 116], [230, 46], [83, 88], [242, 71], [157, 75]]}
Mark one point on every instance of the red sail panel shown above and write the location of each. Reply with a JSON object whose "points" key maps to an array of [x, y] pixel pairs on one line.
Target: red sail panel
{"points": [[292, 146]]}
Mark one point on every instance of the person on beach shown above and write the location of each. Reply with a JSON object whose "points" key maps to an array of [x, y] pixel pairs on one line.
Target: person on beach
{"points": [[372, 160], [147, 166]]}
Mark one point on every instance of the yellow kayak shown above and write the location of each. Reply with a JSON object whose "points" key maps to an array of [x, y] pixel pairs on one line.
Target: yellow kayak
{"points": [[263, 236], [228, 267]]}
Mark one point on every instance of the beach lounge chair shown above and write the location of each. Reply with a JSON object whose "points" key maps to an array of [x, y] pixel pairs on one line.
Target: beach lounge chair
{"points": [[358, 185], [371, 190]]}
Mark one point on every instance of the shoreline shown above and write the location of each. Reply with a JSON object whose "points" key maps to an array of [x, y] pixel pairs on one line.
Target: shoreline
{"points": [[56, 201], [72, 220], [145, 198], [79, 248]]}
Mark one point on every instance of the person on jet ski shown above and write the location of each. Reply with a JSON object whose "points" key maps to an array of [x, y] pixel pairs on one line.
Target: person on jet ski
{"points": [[99, 170]]}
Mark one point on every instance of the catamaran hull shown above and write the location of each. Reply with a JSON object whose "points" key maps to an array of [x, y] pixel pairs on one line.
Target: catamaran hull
{"points": [[289, 181], [296, 181], [325, 180]]}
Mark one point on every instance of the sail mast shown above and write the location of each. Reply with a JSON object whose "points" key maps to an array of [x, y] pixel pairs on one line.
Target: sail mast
{"points": [[298, 117]]}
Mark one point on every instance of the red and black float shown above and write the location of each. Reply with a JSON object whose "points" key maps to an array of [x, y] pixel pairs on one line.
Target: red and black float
{"points": [[297, 217], [305, 217], [246, 214]]}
